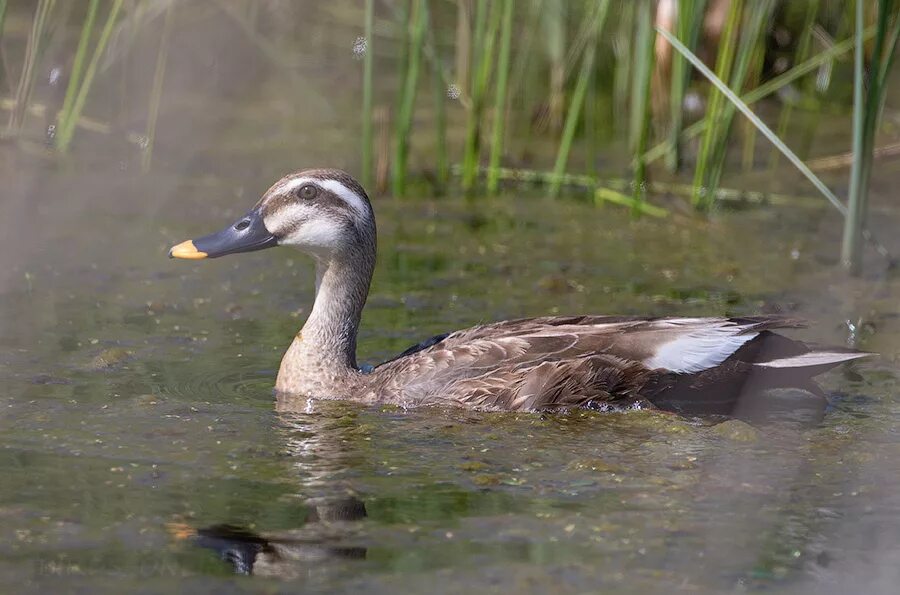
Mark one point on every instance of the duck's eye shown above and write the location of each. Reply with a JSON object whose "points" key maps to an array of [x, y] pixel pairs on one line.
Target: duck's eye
{"points": [[307, 192]]}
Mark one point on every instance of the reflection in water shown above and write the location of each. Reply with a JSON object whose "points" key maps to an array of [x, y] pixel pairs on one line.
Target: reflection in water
{"points": [[292, 553], [317, 436]]}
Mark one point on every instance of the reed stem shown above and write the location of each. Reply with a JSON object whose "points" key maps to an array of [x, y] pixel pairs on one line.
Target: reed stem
{"points": [[867, 107], [646, 39], [418, 22], [367, 115], [87, 29], [574, 112], [724, 61], [485, 34], [500, 95], [159, 75], [67, 128], [765, 90], [33, 50], [689, 20]]}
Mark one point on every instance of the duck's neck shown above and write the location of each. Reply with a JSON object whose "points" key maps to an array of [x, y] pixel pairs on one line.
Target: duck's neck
{"points": [[329, 335]]}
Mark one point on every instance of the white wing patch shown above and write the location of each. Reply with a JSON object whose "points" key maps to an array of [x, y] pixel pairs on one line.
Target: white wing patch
{"points": [[699, 349]]}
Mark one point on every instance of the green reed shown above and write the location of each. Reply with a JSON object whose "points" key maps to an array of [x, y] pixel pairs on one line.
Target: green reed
{"points": [[486, 25], [724, 61], [868, 103], [66, 128], [503, 68], [554, 23], [765, 89], [33, 50], [754, 75], [418, 21], [439, 91], [368, 93], [752, 36], [159, 74], [3, 6], [689, 21], [801, 53], [87, 30], [641, 113]]}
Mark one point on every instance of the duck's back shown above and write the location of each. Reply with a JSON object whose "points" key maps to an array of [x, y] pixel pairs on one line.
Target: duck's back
{"points": [[560, 362]]}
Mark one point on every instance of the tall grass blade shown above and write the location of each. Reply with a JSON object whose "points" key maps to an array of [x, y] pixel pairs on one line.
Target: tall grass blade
{"points": [[33, 50], [159, 75], [554, 24], [3, 6], [493, 181], [439, 90], [765, 89], [87, 29], [641, 114], [753, 77], [753, 35], [801, 53], [485, 34], [689, 20], [760, 125], [724, 60], [867, 107], [575, 107], [418, 22], [851, 248], [643, 69], [67, 129], [367, 115]]}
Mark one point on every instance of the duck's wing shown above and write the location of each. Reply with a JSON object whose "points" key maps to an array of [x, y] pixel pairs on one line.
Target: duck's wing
{"points": [[548, 362]]}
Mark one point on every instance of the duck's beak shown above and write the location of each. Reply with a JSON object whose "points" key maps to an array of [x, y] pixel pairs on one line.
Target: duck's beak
{"points": [[247, 234]]}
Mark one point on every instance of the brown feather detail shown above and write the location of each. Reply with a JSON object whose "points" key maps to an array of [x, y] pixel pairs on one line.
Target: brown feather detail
{"points": [[552, 362]]}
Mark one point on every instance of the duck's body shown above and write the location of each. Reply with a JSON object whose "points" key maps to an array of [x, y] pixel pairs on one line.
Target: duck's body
{"points": [[543, 363]]}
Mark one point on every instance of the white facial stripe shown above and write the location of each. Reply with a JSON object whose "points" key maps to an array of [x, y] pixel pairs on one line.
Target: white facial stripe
{"points": [[284, 218], [317, 233], [353, 200]]}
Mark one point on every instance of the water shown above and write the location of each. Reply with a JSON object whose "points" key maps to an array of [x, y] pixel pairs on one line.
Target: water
{"points": [[138, 409], [140, 446]]}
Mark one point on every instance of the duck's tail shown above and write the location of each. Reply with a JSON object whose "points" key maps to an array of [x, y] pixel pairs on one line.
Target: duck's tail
{"points": [[769, 361]]}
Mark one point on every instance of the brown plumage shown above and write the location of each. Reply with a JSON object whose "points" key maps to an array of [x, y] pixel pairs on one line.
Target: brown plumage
{"points": [[546, 363]]}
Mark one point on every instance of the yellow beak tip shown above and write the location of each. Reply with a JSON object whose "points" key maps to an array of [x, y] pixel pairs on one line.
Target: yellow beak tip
{"points": [[186, 250]]}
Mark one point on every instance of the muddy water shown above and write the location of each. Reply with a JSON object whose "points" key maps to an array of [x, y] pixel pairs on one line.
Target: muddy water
{"points": [[138, 419]]}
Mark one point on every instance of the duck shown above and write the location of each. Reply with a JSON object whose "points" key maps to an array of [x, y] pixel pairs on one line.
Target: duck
{"points": [[547, 363]]}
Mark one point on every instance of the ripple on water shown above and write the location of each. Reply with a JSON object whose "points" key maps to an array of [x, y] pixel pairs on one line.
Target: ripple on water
{"points": [[237, 382]]}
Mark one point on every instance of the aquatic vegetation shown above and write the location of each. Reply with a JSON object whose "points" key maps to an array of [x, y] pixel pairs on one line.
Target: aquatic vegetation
{"points": [[868, 103], [517, 85], [368, 92], [66, 127]]}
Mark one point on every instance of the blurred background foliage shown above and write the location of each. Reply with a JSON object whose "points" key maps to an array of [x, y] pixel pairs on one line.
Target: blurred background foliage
{"points": [[473, 95]]}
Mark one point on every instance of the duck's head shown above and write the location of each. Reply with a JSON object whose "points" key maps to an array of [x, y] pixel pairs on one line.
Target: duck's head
{"points": [[324, 212]]}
